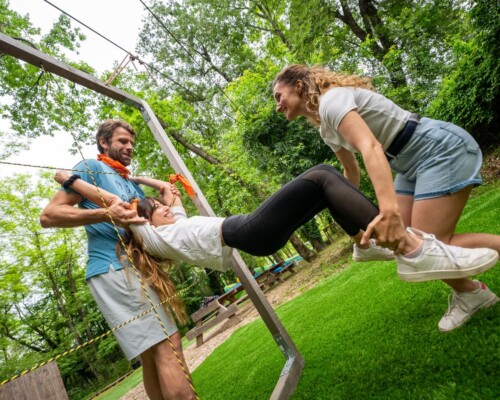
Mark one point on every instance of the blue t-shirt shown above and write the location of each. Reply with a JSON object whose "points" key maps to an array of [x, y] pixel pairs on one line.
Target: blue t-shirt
{"points": [[102, 237]]}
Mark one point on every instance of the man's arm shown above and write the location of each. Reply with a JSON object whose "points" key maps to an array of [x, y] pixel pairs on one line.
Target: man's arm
{"points": [[62, 213]]}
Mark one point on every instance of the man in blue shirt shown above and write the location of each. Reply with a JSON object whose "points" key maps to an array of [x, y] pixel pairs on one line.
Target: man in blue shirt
{"points": [[116, 289]]}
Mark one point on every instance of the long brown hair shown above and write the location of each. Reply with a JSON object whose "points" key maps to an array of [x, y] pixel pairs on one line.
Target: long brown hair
{"points": [[154, 272], [317, 80]]}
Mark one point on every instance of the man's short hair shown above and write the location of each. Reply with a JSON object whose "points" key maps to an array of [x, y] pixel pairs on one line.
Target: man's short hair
{"points": [[107, 128]]}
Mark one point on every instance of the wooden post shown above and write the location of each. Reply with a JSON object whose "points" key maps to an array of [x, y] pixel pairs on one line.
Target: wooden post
{"points": [[41, 384]]}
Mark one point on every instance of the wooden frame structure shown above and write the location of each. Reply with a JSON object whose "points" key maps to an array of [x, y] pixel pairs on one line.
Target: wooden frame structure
{"points": [[290, 374]]}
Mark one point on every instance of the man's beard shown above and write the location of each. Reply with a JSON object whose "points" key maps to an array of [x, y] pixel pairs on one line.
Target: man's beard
{"points": [[117, 156]]}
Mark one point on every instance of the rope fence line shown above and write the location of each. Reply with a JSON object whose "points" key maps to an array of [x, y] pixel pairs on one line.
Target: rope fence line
{"points": [[102, 336], [56, 168]]}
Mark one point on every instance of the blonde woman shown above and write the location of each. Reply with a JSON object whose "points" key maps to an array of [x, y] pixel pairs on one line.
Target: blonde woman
{"points": [[437, 165]]}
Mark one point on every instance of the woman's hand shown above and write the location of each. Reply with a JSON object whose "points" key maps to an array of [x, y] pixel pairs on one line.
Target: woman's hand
{"points": [[167, 193], [175, 190], [388, 230], [62, 176]]}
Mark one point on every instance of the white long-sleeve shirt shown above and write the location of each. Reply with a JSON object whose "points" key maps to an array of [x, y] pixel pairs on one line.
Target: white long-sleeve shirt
{"points": [[195, 240]]}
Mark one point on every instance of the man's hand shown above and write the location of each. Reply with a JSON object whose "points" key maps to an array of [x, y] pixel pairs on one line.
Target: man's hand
{"points": [[122, 214]]}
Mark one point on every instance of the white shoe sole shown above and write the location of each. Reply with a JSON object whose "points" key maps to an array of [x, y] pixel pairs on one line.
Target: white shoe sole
{"points": [[489, 303], [447, 274], [362, 259]]}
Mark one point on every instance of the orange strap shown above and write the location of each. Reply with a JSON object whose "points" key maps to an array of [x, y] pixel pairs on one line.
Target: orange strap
{"points": [[134, 203], [172, 178]]}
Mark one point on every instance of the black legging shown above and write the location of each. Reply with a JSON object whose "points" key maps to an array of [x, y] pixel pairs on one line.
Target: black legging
{"points": [[269, 227]]}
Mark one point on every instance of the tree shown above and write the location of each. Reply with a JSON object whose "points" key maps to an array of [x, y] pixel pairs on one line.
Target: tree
{"points": [[470, 94], [33, 100], [45, 306]]}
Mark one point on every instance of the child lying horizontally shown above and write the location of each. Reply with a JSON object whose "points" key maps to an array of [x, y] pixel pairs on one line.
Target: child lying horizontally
{"points": [[168, 234]]}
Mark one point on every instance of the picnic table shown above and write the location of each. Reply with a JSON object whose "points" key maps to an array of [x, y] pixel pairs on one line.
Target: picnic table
{"points": [[226, 305], [265, 279]]}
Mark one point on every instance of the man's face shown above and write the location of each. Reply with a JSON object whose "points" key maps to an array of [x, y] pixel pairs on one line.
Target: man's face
{"points": [[121, 147]]}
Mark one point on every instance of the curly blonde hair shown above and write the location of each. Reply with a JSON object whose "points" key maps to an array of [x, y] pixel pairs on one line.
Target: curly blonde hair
{"points": [[317, 80], [154, 272]]}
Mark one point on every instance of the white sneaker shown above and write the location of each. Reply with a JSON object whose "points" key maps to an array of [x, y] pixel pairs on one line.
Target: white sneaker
{"points": [[463, 305], [372, 253], [442, 261]]}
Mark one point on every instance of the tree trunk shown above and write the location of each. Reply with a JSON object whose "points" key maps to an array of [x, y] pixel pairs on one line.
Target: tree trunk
{"points": [[318, 245], [301, 248]]}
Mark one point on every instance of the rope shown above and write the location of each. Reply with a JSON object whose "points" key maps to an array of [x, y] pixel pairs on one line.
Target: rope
{"points": [[56, 168], [102, 336], [128, 58]]}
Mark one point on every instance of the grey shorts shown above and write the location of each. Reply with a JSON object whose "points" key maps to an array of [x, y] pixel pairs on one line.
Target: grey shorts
{"points": [[440, 159], [120, 298]]}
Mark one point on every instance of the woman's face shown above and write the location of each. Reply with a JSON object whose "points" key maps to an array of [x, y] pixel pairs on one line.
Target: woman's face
{"points": [[161, 215], [288, 100]]}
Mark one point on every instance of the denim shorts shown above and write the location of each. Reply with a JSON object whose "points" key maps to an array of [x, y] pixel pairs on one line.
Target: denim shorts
{"points": [[439, 159], [120, 298]]}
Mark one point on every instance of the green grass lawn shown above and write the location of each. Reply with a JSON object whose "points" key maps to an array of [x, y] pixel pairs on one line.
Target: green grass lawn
{"points": [[121, 389], [366, 335]]}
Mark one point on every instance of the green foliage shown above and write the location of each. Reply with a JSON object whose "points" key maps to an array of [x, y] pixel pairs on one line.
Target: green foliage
{"points": [[33, 107], [276, 146], [470, 94], [46, 307]]}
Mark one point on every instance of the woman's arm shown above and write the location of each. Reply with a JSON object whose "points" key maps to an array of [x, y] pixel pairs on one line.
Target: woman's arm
{"points": [[169, 192], [95, 194], [388, 226], [350, 164], [151, 182]]}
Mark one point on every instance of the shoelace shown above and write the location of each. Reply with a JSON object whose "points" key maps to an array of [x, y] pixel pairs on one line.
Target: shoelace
{"points": [[456, 302], [445, 249], [373, 244]]}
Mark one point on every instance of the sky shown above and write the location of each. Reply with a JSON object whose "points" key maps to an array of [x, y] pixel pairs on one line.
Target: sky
{"points": [[118, 20]]}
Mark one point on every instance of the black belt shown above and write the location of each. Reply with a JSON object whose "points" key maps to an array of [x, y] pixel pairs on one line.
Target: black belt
{"points": [[402, 137]]}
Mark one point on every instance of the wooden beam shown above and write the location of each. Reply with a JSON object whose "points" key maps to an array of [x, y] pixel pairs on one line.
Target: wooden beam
{"points": [[32, 56]]}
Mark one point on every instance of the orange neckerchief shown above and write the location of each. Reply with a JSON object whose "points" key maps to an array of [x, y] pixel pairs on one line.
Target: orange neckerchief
{"points": [[172, 178], [116, 165]]}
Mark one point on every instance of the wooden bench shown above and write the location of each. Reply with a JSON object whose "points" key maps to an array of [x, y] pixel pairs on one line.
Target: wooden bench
{"points": [[209, 316], [276, 272], [230, 296]]}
